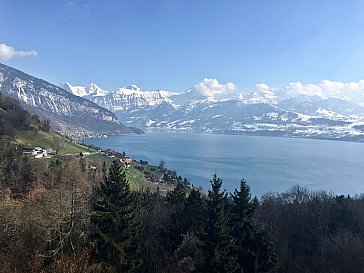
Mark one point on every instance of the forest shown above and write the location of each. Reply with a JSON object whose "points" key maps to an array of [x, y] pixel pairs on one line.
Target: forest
{"points": [[63, 216]]}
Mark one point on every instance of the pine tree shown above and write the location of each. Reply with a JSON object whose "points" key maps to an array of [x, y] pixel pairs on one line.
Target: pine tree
{"points": [[219, 245], [177, 196], [194, 212], [254, 250], [176, 200], [104, 170], [115, 230]]}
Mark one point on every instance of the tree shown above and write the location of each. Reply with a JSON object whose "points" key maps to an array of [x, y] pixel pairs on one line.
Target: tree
{"points": [[154, 218], [175, 200], [58, 143], [45, 126], [193, 214], [82, 163], [254, 249], [219, 245], [104, 170], [162, 166], [177, 197], [115, 228], [27, 176]]}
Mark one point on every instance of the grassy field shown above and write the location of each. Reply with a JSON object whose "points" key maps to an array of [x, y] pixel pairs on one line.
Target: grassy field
{"points": [[47, 141], [74, 148], [36, 139], [98, 159], [138, 181]]}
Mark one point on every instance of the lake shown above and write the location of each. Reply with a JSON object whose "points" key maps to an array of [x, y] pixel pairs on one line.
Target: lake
{"points": [[267, 163]]}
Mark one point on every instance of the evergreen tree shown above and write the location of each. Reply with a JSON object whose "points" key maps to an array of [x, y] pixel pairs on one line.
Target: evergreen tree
{"points": [[176, 200], [219, 245], [266, 252], [254, 250], [177, 196], [115, 230], [104, 170], [194, 212], [82, 163]]}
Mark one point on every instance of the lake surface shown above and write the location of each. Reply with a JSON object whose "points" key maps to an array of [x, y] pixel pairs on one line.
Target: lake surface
{"points": [[267, 163]]}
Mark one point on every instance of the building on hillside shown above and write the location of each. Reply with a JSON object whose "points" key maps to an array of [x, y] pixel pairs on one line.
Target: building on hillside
{"points": [[38, 152], [126, 161]]}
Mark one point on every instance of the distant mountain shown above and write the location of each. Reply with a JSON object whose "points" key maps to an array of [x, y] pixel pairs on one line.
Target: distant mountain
{"points": [[309, 105], [80, 91], [261, 112], [68, 113]]}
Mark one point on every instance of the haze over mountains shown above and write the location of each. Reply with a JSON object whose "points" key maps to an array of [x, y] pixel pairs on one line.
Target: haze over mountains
{"points": [[68, 113], [330, 110]]}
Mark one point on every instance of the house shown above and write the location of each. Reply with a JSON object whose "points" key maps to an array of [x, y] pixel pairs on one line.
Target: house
{"points": [[126, 161], [37, 152]]}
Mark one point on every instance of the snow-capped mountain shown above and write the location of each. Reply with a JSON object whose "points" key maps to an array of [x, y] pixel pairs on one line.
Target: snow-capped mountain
{"points": [[261, 96], [121, 99], [260, 112], [68, 113], [80, 91]]}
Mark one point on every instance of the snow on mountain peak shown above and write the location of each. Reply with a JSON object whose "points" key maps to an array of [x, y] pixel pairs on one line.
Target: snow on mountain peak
{"points": [[95, 90], [79, 91], [259, 96], [94, 87], [132, 87]]}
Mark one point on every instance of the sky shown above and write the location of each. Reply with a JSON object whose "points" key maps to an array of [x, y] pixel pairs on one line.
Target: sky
{"points": [[174, 44]]}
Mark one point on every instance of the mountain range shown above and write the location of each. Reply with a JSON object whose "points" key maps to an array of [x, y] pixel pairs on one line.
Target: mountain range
{"points": [[210, 107], [68, 113], [261, 112]]}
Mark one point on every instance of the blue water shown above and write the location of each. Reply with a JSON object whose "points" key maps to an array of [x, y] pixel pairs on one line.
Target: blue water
{"points": [[269, 164]]}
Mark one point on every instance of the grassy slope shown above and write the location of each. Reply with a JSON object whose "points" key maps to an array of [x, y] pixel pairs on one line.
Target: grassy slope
{"points": [[138, 181], [46, 140], [36, 139], [136, 178], [74, 148]]}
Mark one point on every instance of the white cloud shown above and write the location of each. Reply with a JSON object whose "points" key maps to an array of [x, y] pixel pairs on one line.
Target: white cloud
{"points": [[8, 52], [327, 89], [351, 91], [298, 88], [262, 87], [212, 88]]}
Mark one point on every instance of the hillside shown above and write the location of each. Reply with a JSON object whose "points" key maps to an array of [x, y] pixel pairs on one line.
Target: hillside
{"points": [[67, 113], [18, 128]]}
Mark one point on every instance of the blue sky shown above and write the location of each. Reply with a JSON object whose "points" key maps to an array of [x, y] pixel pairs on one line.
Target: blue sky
{"points": [[174, 44]]}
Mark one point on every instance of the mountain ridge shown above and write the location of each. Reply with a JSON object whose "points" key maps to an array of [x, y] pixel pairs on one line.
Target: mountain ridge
{"points": [[260, 112], [68, 113]]}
